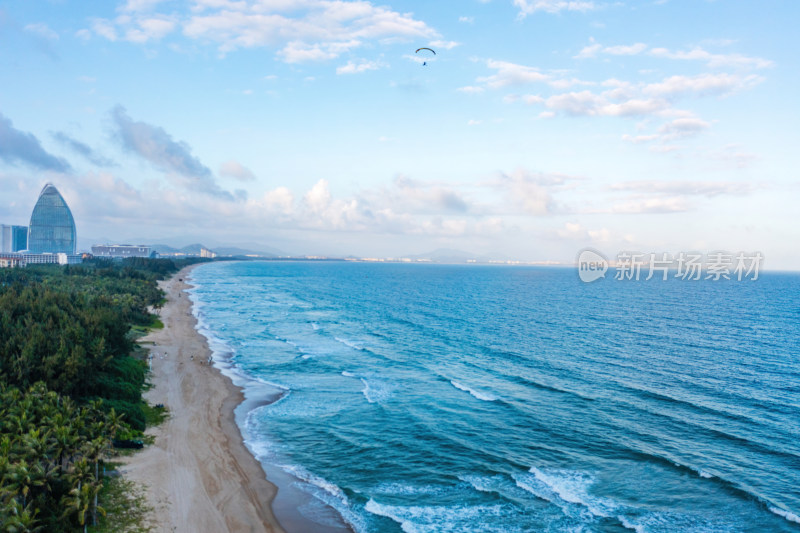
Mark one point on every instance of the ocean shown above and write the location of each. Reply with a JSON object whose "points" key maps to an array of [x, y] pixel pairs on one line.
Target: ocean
{"points": [[434, 398]]}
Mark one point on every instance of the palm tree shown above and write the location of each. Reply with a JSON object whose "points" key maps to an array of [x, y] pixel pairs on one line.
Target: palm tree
{"points": [[22, 480], [94, 452], [20, 519], [77, 503], [114, 422], [64, 441]]}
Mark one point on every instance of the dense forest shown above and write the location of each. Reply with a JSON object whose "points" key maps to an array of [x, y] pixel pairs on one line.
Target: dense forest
{"points": [[68, 384]]}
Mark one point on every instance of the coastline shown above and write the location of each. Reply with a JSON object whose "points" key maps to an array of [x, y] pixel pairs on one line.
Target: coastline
{"points": [[198, 475]]}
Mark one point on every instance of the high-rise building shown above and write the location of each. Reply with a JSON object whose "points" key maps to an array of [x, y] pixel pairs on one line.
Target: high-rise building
{"points": [[52, 228], [13, 238], [19, 238]]}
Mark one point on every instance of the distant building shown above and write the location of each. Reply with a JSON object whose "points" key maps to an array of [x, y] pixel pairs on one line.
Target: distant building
{"points": [[52, 228], [13, 238], [121, 251], [205, 252], [11, 260], [21, 259], [50, 259], [49, 239]]}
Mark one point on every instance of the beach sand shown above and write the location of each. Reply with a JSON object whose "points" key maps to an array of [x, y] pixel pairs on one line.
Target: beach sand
{"points": [[198, 475]]}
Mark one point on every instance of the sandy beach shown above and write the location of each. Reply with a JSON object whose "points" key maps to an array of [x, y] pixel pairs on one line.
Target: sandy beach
{"points": [[198, 475]]}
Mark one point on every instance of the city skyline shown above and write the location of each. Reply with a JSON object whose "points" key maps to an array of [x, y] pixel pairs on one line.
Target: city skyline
{"points": [[538, 129]]}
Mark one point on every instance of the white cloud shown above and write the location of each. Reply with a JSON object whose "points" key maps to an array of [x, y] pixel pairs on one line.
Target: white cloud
{"points": [[301, 52], [140, 5], [586, 103], [444, 45], [683, 127], [511, 74], [686, 187], [42, 30], [652, 205], [713, 60], [467, 20], [639, 139], [308, 30], [234, 169], [577, 232], [532, 192], [592, 50], [589, 51], [702, 84], [623, 50], [735, 155], [300, 30], [671, 196], [319, 197], [528, 7], [150, 29], [616, 97], [104, 28], [362, 65]]}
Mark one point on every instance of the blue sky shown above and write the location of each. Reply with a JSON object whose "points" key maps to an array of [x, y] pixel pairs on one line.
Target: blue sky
{"points": [[539, 128]]}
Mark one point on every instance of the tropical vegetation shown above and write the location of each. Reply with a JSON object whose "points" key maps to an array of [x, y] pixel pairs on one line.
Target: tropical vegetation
{"points": [[69, 385]]}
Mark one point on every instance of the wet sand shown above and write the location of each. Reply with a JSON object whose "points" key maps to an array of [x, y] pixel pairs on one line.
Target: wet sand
{"points": [[198, 475]]}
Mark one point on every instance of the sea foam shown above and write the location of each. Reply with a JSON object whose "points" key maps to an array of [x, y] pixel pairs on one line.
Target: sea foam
{"points": [[791, 517], [485, 396], [375, 389], [445, 519]]}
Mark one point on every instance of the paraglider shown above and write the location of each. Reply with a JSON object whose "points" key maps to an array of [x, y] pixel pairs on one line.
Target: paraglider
{"points": [[425, 53]]}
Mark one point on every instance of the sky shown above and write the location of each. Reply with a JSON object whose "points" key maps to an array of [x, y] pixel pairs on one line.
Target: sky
{"points": [[539, 128]]}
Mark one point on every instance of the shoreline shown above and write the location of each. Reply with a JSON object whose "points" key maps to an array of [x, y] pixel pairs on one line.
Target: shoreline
{"points": [[198, 475]]}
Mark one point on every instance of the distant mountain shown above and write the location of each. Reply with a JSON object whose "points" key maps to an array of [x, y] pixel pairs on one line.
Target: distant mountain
{"points": [[194, 249], [164, 249], [232, 250]]}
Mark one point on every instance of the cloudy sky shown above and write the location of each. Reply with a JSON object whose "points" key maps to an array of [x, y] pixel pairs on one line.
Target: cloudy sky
{"points": [[312, 126]]}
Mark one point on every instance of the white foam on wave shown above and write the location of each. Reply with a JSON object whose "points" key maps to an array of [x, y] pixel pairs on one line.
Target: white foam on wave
{"points": [[261, 449], [638, 528], [350, 344], [314, 326], [705, 474], [483, 483], [375, 389], [485, 396], [405, 489], [569, 490], [444, 519], [791, 517], [302, 406], [328, 493], [667, 522], [301, 473], [281, 386], [375, 392]]}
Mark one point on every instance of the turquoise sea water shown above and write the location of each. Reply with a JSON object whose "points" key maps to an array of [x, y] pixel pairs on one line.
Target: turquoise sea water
{"points": [[427, 398]]}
